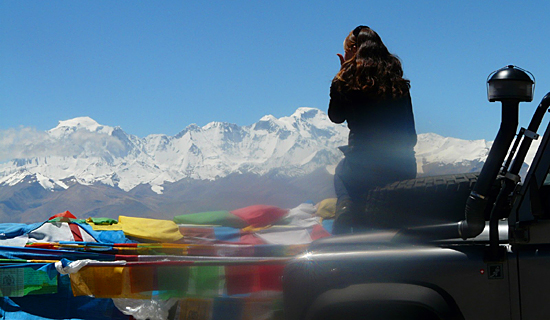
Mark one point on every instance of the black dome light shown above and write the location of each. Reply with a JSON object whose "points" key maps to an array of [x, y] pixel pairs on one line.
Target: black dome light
{"points": [[510, 83]]}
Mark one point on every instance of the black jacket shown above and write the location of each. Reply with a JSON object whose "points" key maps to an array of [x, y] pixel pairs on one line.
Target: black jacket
{"points": [[380, 129]]}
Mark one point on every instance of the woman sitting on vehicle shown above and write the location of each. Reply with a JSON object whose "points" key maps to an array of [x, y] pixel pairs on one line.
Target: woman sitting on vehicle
{"points": [[370, 93]]}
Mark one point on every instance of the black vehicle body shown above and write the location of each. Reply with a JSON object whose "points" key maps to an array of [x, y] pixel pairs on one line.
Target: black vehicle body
{"points": [[436, 272]]}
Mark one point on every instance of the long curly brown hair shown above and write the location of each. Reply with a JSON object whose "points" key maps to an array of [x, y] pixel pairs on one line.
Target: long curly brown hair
{"points": [[372, 69]]}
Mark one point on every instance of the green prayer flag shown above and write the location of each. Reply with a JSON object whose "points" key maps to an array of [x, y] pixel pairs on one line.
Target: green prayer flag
{"points": [[220, 218]]}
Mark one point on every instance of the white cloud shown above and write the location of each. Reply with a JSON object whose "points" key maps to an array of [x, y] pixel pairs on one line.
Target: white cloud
{"points": [[25, 142]]}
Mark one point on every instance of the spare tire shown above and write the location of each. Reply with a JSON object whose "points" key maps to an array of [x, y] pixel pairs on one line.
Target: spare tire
{"points": [[420, 201]]}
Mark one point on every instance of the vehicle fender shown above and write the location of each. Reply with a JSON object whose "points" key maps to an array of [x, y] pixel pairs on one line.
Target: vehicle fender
{"points": [[386, 294]]}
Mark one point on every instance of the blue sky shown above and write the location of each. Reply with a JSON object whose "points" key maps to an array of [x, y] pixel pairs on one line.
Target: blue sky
{"points": [[158, 66]]}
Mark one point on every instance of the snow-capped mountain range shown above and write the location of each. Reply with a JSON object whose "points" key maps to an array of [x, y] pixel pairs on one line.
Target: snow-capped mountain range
{"points": [[94, 170], [86, 152], [82, 151]]}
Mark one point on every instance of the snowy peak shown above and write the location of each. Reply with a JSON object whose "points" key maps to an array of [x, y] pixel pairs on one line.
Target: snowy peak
{"points": [[270, 124], [78, 124], [437, 148], [190, 128], [305, 114]]}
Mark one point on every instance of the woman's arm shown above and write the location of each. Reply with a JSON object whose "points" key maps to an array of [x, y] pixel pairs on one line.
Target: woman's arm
{"points": [[336, 108], [408, 121]]}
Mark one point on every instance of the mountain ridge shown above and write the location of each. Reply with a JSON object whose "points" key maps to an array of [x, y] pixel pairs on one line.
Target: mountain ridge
{"points": [[81, 165], [89, 152]]}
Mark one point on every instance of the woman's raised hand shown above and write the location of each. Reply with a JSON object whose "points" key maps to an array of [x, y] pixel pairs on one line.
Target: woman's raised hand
{"points": [[341, 58]]}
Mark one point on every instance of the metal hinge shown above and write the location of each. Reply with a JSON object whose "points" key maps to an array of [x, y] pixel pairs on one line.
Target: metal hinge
{"points": [[530, 134]]}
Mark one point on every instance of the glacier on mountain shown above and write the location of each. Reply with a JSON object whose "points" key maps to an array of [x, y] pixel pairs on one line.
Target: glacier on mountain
{"points": [[80, 150], [83, 150]]}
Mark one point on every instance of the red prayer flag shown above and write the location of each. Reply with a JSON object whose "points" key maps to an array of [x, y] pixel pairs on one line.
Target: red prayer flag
{"points": [[260, 215]]}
